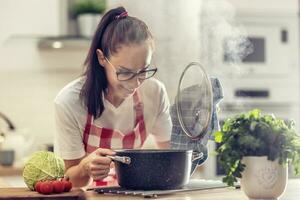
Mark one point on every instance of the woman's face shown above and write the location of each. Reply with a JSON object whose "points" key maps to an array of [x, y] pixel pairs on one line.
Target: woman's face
{"points": [[129, 58]]}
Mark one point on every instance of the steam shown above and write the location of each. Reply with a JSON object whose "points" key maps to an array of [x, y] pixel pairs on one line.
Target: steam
{"points": [[237, 48], [219, 31]]}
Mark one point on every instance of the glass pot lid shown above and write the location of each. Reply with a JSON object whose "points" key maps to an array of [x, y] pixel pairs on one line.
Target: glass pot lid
{"points": [[194, 101]]}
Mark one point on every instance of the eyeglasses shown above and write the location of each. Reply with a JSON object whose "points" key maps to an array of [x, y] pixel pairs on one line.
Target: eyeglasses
{"points": [[141, 74]]}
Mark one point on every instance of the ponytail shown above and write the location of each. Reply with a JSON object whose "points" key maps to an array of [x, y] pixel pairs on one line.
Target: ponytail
{"points": [[111, 32]]}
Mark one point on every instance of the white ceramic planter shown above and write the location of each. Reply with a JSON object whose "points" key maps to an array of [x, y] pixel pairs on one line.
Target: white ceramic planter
{"points": [[263, 179], [87, 24]]}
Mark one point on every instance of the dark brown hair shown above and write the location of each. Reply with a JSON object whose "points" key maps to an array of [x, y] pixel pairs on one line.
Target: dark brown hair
{"points": [[110, 34]]}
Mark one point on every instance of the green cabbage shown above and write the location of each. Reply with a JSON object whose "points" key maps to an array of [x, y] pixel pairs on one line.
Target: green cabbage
{"points": [[42, 165]]}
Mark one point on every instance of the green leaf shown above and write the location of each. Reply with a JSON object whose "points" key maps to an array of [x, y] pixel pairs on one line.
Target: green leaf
{"points": [[218, 136], [254, 134], [255, 114], [88, 6]]}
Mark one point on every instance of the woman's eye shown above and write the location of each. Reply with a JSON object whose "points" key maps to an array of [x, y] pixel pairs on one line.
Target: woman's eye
{"points": [[125, 76], [125, 73]]}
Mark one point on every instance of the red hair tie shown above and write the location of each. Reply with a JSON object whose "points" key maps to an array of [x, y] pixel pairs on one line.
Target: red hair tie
{"points": [[122, 15]]}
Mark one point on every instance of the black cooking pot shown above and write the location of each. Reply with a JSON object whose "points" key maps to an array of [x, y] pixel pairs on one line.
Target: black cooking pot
{"points": [[155, 169]]}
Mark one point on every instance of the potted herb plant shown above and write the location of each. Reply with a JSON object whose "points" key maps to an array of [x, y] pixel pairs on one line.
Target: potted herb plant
{"points": [[88, 14], [258, 148]]}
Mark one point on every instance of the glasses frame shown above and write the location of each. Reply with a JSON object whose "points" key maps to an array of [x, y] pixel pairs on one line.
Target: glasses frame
{"points": [[134, 74]]}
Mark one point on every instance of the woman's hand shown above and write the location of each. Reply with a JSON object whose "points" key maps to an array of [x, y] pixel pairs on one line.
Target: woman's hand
{"points": [[97, 165]]}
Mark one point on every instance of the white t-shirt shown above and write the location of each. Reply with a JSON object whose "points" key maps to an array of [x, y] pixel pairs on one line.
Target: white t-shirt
{"points": [[71, 116]]}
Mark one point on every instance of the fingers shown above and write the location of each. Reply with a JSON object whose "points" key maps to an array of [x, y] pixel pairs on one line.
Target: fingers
{"points": [[112, 165], [100, 160], [99, 165], [99, 174], [104, 152]]}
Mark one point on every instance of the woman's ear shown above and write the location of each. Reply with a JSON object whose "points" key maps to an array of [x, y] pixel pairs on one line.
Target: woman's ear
{"points": [[101, 57]]}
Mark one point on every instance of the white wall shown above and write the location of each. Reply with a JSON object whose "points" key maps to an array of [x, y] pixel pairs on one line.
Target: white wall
{"points": [[266, 6], [175, 26], [32, 17], [29, 77]]}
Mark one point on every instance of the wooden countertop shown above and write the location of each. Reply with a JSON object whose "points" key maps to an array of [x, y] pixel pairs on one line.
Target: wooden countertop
{"points": [[292, 193]]}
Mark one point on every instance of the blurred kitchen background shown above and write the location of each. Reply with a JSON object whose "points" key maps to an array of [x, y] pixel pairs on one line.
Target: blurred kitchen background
{"points": [[251, 46]]}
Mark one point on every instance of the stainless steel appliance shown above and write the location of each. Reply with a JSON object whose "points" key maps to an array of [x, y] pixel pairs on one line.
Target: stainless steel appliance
{"points": [[267, 49], [193, 185]]}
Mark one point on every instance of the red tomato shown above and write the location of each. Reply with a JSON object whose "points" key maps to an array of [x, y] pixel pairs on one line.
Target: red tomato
{"points": [[46, 187], [68, 185], [37, 186], [58, 186]]}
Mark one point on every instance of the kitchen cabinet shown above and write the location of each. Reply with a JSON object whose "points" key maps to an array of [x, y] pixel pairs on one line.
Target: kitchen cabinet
{"points": [[11, 177], [10, 171]]}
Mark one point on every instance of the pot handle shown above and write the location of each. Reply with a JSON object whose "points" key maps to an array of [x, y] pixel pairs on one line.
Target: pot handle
{"points": [[122, 159], [197, 155]]}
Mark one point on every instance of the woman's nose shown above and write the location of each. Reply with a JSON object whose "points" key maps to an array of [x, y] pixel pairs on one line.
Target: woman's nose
{"points": [[135, 83]]}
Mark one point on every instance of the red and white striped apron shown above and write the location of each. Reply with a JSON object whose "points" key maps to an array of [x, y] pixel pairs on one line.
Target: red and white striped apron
{"points": [[99, 137]]}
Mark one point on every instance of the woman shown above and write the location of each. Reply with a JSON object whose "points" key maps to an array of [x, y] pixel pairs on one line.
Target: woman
{"points": [[115, 104]]}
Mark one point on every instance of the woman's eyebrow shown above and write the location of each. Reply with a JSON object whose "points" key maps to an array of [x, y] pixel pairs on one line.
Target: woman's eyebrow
{"points": [[125, 68]]}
